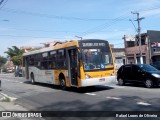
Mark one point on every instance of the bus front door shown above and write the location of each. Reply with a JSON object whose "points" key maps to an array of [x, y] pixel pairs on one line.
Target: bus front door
{"points": [[72, 64]]}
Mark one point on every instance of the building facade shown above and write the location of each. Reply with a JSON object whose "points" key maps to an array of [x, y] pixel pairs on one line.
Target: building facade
{"points": [[150, 47], [119, 57], [154, 46]]}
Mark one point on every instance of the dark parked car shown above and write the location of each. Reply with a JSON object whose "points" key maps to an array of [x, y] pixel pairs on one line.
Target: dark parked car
{"points": [[138, 73], [156, 64]]}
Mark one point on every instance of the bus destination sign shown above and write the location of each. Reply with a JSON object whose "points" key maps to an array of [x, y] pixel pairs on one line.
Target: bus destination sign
{"points": [[92, 44]]}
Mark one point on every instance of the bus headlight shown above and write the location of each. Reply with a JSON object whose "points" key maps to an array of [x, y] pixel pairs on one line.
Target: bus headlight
{"points": [[88, 76]]}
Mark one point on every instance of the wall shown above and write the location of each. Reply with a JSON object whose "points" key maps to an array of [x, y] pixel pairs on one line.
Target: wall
{"points": [[134, 51]]}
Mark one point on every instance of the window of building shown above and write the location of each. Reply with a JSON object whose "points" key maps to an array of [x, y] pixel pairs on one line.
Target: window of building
{"points": [[131, 60], [130, 44], [144, 59]]}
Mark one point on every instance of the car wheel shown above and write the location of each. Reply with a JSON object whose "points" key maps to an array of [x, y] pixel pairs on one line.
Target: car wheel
{"points": [[121, 82], [62, 83], [149, 83]]}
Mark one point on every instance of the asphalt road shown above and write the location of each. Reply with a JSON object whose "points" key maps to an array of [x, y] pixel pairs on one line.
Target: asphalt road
{"points": [[109, 97]]}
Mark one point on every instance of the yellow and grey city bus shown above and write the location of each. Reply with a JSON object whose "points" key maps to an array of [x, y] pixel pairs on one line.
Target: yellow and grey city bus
{"points": [[77, 63]]}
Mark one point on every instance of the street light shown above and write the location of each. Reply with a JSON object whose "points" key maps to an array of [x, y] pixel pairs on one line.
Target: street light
{"points": [[79, 37]]}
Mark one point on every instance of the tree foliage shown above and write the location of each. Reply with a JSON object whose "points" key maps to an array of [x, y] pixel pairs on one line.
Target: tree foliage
{"points": [[2, 61], [17, 60], [14, 51], [15, 54]]}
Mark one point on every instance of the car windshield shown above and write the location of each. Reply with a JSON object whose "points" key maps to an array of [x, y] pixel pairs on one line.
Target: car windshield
{"points": [[96, 58], [147, 67]]}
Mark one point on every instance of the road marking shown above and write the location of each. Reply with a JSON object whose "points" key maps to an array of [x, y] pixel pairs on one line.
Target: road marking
{"points": [[90, 93], [115, 86], [13, 81], [7, 80], [115, 98], [143, 103]]}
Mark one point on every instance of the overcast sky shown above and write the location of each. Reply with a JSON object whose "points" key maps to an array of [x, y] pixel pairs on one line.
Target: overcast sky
{"points": [[31, 22]]}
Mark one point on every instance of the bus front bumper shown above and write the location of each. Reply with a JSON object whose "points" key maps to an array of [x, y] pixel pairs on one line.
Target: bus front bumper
{"points": [[98, 81]]}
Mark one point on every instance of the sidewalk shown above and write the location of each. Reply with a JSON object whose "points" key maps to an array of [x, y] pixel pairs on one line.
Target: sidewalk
{"points": [[9, 106], [6, 74], [6, 105]]}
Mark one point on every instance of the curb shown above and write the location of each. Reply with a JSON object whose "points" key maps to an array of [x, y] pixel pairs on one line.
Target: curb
{"points": [[6, 96]]}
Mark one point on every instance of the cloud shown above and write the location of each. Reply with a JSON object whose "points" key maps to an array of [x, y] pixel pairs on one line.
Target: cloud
{"points": [[4, 29], [151, 13]]}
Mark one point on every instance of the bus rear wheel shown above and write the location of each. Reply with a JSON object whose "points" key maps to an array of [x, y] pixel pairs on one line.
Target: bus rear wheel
{"points": [[32, 79], [62, 83]]}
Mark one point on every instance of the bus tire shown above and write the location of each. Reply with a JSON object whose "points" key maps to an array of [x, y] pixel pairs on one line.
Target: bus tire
{"points": [[32, 79], [62, 82]]}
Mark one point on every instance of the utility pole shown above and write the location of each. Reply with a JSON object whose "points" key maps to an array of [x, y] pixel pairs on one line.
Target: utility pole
{"points": [[139, 34]]}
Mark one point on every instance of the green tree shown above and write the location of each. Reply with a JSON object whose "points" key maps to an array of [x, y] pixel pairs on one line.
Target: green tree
{"points": [[17, 60], [15, 54], [2, 61]]}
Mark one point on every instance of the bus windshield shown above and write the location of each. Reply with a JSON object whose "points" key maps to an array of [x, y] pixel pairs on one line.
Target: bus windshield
{"points": [[96, 58]]}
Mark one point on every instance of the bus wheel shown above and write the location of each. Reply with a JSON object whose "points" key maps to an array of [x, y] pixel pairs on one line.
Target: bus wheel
{"points": [[62, 83], [32, 79]]}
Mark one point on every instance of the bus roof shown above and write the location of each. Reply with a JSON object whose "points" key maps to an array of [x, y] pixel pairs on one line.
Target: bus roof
{"points": [[57, 46], [62, 45], [38, 51]]}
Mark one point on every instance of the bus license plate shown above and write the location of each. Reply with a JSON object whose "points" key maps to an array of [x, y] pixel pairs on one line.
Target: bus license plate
{"points": [[102, 79]]}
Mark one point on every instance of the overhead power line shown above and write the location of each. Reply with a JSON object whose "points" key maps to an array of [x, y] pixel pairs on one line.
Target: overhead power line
{"points": [[148, 9], [107, 25], [3, 4], [104, 26], [27, 36], [133, 25], [48, 31], [56, 16], [56, 31]]}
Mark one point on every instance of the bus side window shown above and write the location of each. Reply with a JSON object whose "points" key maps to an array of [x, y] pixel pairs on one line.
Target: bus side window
{"points": [[31, 60], [44, 61], [61, 59], [52, 60]]}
